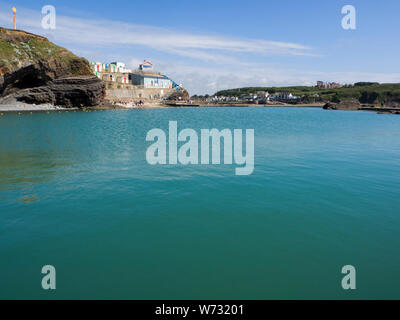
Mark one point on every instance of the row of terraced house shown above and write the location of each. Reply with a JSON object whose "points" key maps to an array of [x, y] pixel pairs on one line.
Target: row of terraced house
{"points": [[122, 82]]}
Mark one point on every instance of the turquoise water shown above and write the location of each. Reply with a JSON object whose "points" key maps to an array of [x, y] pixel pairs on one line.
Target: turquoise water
{"points": [[76, 192]]}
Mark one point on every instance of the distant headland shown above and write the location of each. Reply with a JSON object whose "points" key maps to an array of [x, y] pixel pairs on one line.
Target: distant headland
{"points": [[333, 96]]}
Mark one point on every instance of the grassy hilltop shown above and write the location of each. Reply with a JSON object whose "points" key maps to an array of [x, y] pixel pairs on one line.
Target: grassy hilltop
{"points": [[364, 92], [20, 48]]}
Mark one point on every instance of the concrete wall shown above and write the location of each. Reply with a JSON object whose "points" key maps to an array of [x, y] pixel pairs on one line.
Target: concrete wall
{"points": [[138, 93]]}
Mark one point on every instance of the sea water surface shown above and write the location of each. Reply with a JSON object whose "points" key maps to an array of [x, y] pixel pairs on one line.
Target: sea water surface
{"points": [[77, 193]]}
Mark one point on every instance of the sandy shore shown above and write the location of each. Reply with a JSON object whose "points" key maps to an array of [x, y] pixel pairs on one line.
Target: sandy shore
{"points": [[23, 107], [146, 105], [15, 106], [9, 104]]}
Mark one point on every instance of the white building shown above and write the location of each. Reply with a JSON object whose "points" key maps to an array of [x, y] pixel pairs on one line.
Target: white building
{"points": [[152, 81], [117, 72]]}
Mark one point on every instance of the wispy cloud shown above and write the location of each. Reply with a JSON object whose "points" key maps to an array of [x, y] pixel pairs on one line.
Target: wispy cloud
{"points": [[106, 33]]}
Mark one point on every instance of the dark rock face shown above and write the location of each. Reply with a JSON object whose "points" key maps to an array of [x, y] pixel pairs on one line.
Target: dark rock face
{"points": [[68, 92], [330, 106], [393, 102], [42, 82], [36, 74]]}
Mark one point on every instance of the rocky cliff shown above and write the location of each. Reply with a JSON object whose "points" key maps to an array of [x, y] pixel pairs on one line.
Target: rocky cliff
{"points": [[351, 104], [179, 95], [34, 70]]}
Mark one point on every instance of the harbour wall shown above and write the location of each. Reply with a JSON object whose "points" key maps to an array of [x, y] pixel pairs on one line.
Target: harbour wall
{"points": [[138, 93]]}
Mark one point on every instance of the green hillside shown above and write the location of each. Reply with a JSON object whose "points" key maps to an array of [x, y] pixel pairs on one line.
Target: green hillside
{"points": [[365, 92], [20, 48]]}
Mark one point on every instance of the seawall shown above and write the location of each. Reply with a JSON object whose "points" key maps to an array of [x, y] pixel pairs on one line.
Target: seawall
{"points": [[138, 93]]}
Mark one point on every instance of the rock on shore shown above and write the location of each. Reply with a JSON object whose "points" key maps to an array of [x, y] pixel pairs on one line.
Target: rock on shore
{"points": [[179, 95], [343, 105], [355, 105]]}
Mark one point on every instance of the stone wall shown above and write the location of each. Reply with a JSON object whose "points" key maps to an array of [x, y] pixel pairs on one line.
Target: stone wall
{"points": [[138, 93]]}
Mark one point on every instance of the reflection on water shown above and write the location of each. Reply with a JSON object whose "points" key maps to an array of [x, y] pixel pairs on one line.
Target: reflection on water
{"points": [[21, 172], [29, 198]]}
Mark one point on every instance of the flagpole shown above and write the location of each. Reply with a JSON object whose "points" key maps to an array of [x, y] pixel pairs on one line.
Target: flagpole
{"points": [[14, 12]]}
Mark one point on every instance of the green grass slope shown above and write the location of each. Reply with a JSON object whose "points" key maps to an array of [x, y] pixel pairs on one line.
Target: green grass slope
{"points": [[364, 92], [20, 48]]}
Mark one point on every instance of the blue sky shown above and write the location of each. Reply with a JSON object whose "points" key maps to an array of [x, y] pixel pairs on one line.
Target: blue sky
{"points": [[212, 45]]}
